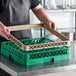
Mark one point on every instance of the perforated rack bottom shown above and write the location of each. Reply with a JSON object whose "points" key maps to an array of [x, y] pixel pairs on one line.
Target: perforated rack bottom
{"points": [[13, 52]]}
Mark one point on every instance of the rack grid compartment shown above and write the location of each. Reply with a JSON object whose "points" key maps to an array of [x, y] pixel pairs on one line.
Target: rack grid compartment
{"points": [[13, 52]]}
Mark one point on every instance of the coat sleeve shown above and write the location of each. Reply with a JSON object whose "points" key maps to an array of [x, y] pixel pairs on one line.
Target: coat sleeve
{"points": [[34, 3]]}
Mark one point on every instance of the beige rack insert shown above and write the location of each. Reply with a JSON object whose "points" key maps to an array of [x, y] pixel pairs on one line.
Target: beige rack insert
{"points": [[65, 41]]}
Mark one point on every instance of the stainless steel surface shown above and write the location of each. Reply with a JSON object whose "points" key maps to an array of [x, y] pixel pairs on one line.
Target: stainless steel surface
{"points": [[41, 69]]}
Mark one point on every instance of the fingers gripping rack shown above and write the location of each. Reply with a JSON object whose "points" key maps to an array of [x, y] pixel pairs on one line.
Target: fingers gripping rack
{"points": [[37, 46]]}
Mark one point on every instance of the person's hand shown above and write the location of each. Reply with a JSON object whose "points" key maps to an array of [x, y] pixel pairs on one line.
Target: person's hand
{"points": [[4, 31], [51, 24]]}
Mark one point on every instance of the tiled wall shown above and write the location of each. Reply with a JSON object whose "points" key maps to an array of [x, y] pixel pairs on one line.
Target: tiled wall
{"points": [[61, 19]]}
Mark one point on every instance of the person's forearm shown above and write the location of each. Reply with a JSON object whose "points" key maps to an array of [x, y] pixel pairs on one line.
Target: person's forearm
{"points": [[41, 14]]}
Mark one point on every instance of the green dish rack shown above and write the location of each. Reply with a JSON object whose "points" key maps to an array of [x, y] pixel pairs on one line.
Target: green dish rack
{"points": [[13, 52]]}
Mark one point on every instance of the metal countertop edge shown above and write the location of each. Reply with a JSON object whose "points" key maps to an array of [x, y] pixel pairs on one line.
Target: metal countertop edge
{"points": [[48, 71], [8, 70], [38, 72]]}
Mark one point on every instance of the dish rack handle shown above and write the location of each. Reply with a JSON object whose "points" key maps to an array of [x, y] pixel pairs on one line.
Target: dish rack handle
{"points": [[32, 26]]}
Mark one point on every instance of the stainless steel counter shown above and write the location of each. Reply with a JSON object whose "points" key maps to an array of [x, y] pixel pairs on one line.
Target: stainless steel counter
{"points": [[41, 69]]}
